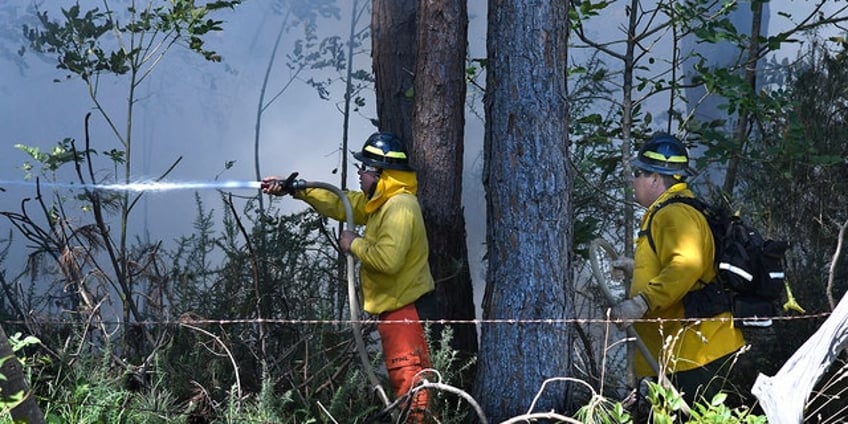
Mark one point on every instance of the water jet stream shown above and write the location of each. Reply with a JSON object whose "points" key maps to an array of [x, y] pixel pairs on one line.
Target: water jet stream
{"points": [[143, 186]]}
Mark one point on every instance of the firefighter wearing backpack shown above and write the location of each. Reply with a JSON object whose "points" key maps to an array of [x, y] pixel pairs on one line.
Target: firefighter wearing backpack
{"points": [[701, 351]]}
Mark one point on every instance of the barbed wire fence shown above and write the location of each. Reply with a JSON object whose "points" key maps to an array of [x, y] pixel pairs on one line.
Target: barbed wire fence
{"points": [[425, 383]]}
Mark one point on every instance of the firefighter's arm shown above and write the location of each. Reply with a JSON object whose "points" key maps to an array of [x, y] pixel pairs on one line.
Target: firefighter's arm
{"points": [[384, 249]]}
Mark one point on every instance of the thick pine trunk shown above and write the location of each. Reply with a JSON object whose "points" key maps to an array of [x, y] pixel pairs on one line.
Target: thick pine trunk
{"points": [[393, 56], [528, 210], [438, 132]]}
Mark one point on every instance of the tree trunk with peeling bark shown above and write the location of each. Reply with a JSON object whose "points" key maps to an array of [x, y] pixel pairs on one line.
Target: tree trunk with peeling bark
{"points": [[438, 131]]}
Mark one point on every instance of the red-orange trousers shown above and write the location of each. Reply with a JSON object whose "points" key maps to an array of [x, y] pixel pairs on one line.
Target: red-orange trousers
{"points": [[405, 351]]}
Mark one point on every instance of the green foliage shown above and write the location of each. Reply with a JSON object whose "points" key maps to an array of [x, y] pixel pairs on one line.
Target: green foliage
{"points": [[90, 43], [76, 41], [794, 154], [349, 401], [91, 390], [667, 407], [759, 108], [267, 406], [708, 21], [601, 410], [585, 9], [335, 54], [62, 153], [450, 366], [8, 401], [17, 343]]}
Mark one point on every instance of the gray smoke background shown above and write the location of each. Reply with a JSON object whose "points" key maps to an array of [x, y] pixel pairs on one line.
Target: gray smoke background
{"points": [[205, 113]]}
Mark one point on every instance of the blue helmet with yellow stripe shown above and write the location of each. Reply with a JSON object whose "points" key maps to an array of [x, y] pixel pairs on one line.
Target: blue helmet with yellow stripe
{"points": [[664, 154], [384, 150]]}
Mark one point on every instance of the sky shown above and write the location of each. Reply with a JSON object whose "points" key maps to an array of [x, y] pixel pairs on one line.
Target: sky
{"points": [[205, 113]]}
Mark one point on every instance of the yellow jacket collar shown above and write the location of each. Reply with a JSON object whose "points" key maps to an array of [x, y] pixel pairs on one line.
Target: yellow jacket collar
{"points": [[392, 182], [679, 189]]}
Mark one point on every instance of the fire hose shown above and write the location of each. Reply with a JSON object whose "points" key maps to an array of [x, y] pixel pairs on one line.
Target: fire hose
{"points": [[353, 299], [612, 300], [595, 249]]}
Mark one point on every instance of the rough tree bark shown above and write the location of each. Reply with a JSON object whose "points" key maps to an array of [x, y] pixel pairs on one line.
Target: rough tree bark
{"points": [[438, 131], [432, 124], [528, 210], [393, 56]]}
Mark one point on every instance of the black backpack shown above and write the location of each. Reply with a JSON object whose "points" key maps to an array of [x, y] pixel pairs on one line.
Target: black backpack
{"points": [[749, 269]]}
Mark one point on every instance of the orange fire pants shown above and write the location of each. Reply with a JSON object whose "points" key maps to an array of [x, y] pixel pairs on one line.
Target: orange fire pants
{"points": [[405, 351]]}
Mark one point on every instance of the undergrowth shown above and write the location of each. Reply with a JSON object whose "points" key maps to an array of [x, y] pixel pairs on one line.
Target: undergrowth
{"points": [[93, 390]]}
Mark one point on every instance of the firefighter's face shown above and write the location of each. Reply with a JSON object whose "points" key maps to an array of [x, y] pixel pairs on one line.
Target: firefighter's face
{"points": [[644, 184], [368, 177]]}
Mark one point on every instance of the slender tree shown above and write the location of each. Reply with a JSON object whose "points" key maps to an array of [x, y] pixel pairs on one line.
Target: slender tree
{"points": [[438, 130], [104, 42], [528, 210]]}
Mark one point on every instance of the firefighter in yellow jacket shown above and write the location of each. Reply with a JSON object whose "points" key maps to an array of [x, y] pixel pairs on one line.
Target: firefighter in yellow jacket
{"points": [[667, 275], [393, 252]]}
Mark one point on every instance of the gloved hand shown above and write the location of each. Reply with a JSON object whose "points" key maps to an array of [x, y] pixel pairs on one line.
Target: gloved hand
{"points": [[622, 268], [628, 310], [277, 186]]}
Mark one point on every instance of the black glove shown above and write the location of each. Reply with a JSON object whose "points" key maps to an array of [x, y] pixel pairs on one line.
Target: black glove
{"points": [[277, 187], [288, 184]]}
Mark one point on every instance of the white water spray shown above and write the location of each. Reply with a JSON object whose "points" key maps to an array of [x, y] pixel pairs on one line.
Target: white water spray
{"points": [[143, 186]]}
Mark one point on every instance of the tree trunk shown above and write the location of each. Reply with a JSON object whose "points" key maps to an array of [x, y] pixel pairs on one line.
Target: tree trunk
{"points": [[627, 127], [528, 210], [393, 56], [437, 149], [15, 382]]}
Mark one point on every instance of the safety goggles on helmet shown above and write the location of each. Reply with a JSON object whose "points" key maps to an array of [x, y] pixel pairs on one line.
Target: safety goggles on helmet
{"points": [[366, 168]]}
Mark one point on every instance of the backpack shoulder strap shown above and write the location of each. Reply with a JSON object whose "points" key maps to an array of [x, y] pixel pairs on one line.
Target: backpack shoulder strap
{"points": [[694, 202]]}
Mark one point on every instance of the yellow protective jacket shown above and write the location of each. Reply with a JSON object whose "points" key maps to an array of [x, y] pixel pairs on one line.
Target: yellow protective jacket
{"points": [[393, 252], [682, 263]]}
